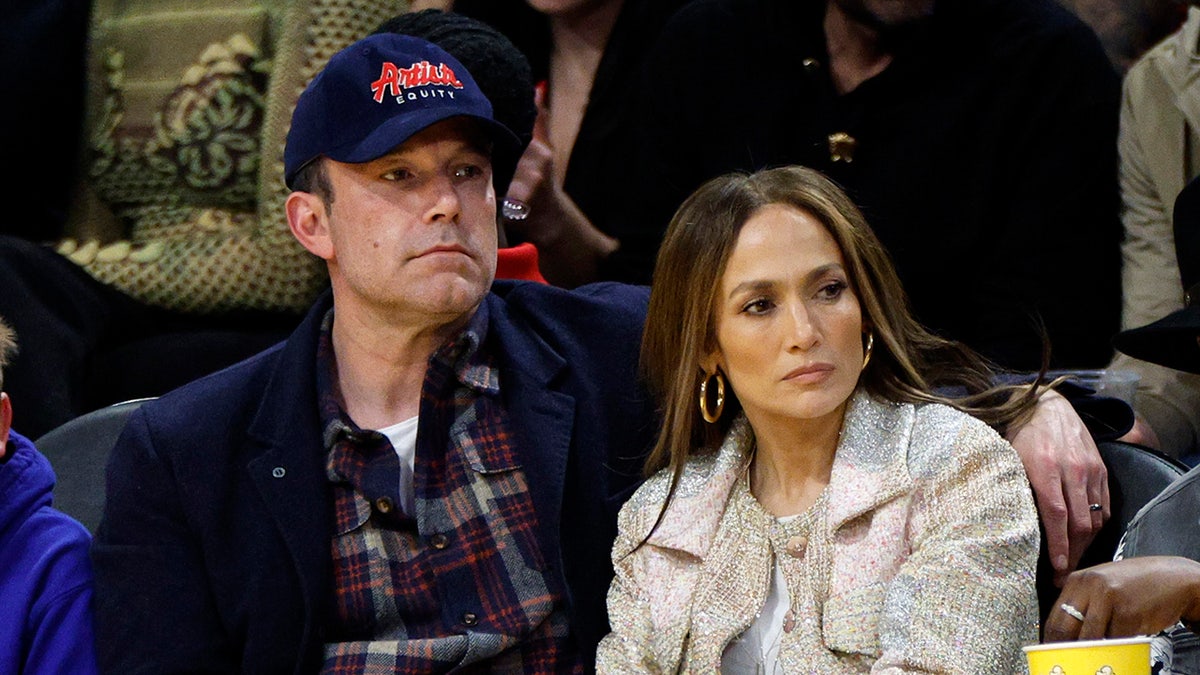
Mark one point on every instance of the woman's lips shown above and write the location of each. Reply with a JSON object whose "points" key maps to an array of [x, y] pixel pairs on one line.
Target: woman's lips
{"points": [[810, 373]]}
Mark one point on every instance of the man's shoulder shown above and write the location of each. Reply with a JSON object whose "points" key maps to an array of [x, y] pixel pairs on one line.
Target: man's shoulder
{"points": [[606, 306], [1172, 55], [221, 400]]}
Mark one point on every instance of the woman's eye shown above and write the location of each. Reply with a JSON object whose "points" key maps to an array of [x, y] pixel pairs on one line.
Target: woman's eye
{"points": [[832, 290], [759, 306]]}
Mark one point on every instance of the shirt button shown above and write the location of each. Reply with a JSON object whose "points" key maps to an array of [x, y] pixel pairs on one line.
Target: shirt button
{"points": [[470, 618], [384, 505], [796, 546], [439, 541]]}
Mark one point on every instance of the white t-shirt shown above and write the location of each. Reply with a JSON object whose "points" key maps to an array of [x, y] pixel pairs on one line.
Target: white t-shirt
{"points": [[403, 436]]}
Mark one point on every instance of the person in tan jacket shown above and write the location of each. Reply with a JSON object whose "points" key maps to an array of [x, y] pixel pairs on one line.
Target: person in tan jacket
{"points": [[1160, 151]]}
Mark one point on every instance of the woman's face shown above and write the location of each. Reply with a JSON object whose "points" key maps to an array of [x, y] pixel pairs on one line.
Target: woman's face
{"points": [[789, 327]]}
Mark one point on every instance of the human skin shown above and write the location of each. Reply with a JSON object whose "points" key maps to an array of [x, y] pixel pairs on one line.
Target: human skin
{"points": [[1134, 596], [789, 335]]}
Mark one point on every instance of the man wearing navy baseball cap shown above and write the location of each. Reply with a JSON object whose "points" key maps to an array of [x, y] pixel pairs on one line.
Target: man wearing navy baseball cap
{"points": [[425, 476]]}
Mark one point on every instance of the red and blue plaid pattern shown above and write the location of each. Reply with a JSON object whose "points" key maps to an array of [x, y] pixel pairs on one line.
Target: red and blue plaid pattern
{"points": [[460, 582]]}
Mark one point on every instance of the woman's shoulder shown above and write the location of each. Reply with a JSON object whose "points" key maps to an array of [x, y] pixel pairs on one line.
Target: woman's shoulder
{"points": [[699, 495], [697, 472], [942, 433], [942, 417]]}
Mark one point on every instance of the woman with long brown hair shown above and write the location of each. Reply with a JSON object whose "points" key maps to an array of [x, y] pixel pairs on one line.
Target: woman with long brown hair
{"points": [[816, 505]]}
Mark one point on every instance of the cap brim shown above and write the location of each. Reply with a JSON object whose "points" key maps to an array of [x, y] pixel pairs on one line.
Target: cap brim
{"points": [[1170, 341], [397, 130]]}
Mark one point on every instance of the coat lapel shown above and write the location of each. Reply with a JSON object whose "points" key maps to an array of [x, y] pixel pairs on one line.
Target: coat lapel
{"points": [[871, 465], [287, 463], [543, 416]]}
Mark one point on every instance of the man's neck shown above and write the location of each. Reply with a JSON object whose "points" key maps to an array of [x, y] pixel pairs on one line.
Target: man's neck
{"points": [[856, 52], [381, 364], [587, 29], [579, 42]]}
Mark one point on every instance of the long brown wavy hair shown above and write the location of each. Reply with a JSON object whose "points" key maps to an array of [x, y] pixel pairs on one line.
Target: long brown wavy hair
{"points": [[908, 363]]}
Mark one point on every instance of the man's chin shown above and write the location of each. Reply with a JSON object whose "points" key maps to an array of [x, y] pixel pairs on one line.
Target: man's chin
{"points": [[888, 17]]}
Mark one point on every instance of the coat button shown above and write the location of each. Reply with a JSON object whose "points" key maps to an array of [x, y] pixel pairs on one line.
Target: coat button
{"points": [[439, 541], [470, 618], [278, 472], [796, 546], [811, 65], [384, 505]]}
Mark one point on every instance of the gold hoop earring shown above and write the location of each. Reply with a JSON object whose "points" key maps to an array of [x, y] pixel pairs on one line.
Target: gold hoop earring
{"points": [[712, 417], [870, 346]]}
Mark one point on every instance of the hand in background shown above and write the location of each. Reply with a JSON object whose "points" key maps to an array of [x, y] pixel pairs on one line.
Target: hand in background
{"points": [[1142, 434], [1067, 475], [570, 247], [1135, 596]]}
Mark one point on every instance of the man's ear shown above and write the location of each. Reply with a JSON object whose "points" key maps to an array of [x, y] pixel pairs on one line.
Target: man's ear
{"points": [[309, 223], [5, 422]]}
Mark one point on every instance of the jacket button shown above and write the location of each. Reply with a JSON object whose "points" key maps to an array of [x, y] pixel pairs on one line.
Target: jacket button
{"points": [[796, 546], [384, 505], [278, 472], [439, 541], [470, 618]]}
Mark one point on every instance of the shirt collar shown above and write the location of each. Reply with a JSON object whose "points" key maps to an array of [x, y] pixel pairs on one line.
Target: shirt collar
{"points": [[466, 355]]}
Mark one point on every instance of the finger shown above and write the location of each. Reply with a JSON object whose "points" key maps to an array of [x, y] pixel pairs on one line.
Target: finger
{"points": [[1080, 527], [1096, 615], [1095, 498], [1053, 510], [530, 173], [1061, 626], [540, 122], [1104, 498]]}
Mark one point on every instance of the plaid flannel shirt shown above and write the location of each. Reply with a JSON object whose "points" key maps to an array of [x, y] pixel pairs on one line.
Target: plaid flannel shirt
{"points": [[459, 583]]}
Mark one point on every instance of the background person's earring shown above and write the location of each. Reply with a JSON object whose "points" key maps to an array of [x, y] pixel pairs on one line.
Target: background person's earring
{"points": [[712, 417], [870, 346]]}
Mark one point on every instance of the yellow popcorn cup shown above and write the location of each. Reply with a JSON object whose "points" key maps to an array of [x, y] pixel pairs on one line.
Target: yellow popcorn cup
{"points": [[1124, 656]]}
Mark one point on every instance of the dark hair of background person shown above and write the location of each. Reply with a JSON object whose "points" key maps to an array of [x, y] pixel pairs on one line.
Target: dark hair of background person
{"points": [[908, 362], [8, 348], [43, 74], [498, 67]]}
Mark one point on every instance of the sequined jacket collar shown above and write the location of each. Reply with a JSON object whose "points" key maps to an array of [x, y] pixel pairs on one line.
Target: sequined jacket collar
{"points": [[868, 470]]}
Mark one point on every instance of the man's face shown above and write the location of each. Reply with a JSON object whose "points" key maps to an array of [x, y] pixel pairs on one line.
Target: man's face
{"points": [[414, 231], [886, 14]]}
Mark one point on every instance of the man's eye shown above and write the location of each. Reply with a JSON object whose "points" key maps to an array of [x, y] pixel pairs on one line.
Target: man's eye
{"points": [[469, 171], [397, 174]]}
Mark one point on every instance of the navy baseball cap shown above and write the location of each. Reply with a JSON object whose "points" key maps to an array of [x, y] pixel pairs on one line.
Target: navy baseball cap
{"points": [[377, 93]]}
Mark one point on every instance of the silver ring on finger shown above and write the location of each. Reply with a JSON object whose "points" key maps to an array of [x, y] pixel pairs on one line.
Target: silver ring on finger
{"points": [[514, 209], [1070, 611], [1095, 507]]}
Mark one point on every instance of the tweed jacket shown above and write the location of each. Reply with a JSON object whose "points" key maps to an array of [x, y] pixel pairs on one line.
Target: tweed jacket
{"points": [[927, 550], [1158, 143]]}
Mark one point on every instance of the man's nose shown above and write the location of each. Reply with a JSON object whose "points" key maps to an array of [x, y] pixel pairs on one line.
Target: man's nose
{"points": [[445, 203]]}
